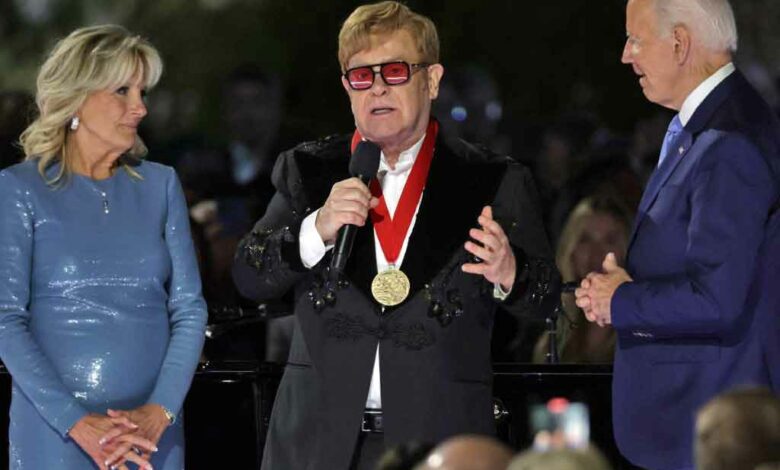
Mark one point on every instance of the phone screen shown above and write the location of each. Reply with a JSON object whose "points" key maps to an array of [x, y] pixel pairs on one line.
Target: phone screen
{"points": [[560, 424]]}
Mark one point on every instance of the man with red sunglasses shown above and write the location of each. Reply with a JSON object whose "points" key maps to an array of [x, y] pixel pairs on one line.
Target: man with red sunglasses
{"points": [[455, 226]]}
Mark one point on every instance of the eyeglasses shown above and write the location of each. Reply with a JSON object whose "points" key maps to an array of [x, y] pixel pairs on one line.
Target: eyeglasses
{"points": [[393, 73]]}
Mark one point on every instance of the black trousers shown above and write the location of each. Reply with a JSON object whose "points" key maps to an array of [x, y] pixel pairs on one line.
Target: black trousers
{"points": [[368, 450]]}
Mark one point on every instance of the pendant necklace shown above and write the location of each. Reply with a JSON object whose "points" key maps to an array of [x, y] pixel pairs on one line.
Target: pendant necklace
{"points": [[102, 193]]}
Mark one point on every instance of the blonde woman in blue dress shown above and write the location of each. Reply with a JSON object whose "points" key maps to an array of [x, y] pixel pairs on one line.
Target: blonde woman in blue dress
{"points": [[101, 313]]}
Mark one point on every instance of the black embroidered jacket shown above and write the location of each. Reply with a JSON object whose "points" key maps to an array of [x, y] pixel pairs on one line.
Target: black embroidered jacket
{"points": [[434, 347]]}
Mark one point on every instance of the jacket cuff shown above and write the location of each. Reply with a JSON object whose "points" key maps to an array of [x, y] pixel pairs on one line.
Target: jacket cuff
{"points": [[266, 249], [522, 278]]}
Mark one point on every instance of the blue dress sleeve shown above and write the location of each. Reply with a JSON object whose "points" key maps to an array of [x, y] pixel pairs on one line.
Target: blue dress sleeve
{"points": [[31, 370], [186, 307]]}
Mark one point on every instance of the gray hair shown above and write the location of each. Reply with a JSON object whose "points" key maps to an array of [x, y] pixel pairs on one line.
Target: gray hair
{"points": [[712, 21]]}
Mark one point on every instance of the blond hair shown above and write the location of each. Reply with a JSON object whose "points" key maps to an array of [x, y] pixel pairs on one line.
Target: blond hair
{"points": [[88, 60], [383, 18], [575, 226], [573, 328]]}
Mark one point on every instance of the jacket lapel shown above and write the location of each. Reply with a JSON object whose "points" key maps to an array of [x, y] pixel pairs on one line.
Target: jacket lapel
{"points": [[442, 220], [677, 151], [459, 183], [455, 191], [681, 146]]}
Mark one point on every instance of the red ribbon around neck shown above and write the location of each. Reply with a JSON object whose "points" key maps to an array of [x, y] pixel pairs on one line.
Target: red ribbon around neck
{"points": [[391, 231]]}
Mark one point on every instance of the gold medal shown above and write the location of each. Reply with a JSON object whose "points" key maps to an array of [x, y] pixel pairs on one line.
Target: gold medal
{"points": [[390, 287]]}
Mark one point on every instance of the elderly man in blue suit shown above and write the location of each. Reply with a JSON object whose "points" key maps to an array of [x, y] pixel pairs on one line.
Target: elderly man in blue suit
{"points": [[696, 309]]}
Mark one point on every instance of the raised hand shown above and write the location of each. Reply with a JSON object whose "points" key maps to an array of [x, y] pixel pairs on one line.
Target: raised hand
{"points": [[498, 259]]}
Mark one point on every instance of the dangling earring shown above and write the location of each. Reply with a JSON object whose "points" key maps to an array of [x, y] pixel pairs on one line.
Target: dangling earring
{"points": [[74, 123]]}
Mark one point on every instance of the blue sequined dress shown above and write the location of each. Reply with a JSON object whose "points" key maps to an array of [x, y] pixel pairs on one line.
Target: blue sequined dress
{"points": [[100, 306]]}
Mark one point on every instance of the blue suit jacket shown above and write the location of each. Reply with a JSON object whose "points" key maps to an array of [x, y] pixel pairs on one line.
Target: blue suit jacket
{"points": [[702, 313]]}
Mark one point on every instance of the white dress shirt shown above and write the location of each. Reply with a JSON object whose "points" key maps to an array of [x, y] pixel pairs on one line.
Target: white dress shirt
{"points": [[701, 92]]}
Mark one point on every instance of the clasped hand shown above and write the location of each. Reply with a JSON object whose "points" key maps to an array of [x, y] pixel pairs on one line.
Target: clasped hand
{"points": [[121, 436], [594, 296]]}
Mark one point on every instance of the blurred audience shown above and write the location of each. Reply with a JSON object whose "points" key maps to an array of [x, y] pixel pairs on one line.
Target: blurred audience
{"points": [[579, 161], [646, 143], [404, 456], [563, 147], [252, 107], [561, 459], [228, 187], [236, 174], [597, 226], [604, 171], [468, 452], [469, 107], [15, 115], [769, 466], [739, 429]]}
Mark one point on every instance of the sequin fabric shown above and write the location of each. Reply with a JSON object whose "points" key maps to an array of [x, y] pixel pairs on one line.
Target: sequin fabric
{"points": [[97, 309]]}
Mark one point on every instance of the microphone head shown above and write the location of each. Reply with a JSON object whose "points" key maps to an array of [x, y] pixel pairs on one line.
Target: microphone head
{"points": [[365, 160]]}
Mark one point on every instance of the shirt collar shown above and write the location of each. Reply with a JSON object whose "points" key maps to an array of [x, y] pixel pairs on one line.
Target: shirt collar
{"points": [[700, 93], [405, 159]]}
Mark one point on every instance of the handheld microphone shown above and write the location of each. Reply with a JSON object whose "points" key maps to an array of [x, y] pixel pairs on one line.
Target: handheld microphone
{"points": [[364, 164]]}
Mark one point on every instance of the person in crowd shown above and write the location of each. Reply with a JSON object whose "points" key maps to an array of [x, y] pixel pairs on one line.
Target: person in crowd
{"points": [[404, 456], [448, 233], [695, 308], [15, 110], [564, 145], [469, 107], [228, 186], [738, 429], [604, 171], [597, 226], [646, 141], [560, 459], [468, 452], [101, 314]]}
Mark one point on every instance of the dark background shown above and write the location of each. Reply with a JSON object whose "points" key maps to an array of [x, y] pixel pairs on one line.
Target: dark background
{"points": [[547, 57]]}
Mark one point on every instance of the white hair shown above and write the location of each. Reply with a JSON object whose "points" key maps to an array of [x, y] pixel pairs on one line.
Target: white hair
{"points": [[711, 21]]}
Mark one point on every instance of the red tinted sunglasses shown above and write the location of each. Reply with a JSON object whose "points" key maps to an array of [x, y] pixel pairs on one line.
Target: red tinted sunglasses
{"points": [[393, 73]]}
